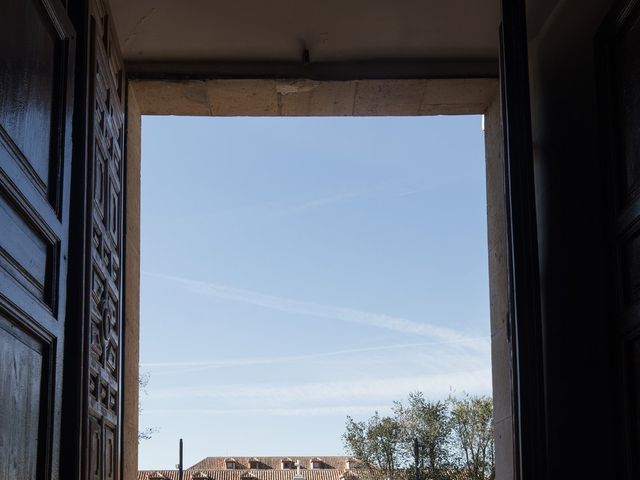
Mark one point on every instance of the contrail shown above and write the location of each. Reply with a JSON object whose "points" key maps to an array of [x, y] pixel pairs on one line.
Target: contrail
{"points": [[345, 314], [195, 366]]}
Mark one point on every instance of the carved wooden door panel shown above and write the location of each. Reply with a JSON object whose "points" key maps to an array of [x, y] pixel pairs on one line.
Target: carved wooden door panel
{"points": [[619, 61], [37, 48], [104, 233]]}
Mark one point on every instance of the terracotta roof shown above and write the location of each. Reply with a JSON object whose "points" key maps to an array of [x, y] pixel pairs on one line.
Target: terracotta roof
{"points": [[158, 475], [200, 475], [273, 474], [334, 468], [219, 463]]}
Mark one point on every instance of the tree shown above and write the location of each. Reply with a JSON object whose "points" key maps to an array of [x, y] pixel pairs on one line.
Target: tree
{"points": [[145, 433], [378, 444], [472, 424], [429, 422], [457, 435]]}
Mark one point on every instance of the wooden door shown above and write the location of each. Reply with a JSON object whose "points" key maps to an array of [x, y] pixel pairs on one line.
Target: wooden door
{"points": [[525, 320], [618, 45], [101, 362], [36, 98]]}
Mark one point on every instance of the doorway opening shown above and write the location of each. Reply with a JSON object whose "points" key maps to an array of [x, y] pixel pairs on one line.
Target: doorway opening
{"points": [[288, 258]]}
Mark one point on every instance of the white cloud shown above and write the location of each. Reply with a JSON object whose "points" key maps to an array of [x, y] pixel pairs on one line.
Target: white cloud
{"points": [[378, 389], [449, 361], [280, 412]]}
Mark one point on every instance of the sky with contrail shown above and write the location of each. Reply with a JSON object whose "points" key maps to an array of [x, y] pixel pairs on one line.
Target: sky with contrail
{"points": [[298, 270]]}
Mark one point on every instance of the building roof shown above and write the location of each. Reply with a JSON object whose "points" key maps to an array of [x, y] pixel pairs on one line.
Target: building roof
{"points": [[199, 474], [270, 468], [271, 463], [273, 474], [333, 468]]}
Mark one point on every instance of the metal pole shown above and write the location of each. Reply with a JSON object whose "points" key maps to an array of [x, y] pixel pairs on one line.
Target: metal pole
{"points": [[180, 469]]}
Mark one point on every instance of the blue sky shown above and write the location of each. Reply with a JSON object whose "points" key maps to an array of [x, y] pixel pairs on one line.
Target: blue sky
{"points": [[298, 270]]}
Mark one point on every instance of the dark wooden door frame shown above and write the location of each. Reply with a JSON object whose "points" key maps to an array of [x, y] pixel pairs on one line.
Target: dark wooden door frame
{"points": [[525, 323], [621, 227], [525, 319]]}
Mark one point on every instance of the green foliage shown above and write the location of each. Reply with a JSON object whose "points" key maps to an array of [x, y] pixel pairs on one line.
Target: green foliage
{"points": [[429, 422], [472, 423], [456, 437], [377, 443]]}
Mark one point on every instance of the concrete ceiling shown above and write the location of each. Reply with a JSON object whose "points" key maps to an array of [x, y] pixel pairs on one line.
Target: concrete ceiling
{"points": [[332, 30]]}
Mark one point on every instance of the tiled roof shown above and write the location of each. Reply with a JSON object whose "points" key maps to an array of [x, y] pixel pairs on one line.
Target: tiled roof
{"points": [[198, 474], [273, 474], [219, 463], [334, 468]]}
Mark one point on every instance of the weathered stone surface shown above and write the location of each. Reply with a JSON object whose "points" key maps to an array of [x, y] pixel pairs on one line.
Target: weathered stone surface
{"points": [[314, 98]]}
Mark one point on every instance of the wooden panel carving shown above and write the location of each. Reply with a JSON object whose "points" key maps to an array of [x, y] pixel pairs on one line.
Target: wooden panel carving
{"points": [[106, 145], [29, 129], [25, 252], [21, 365]]}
